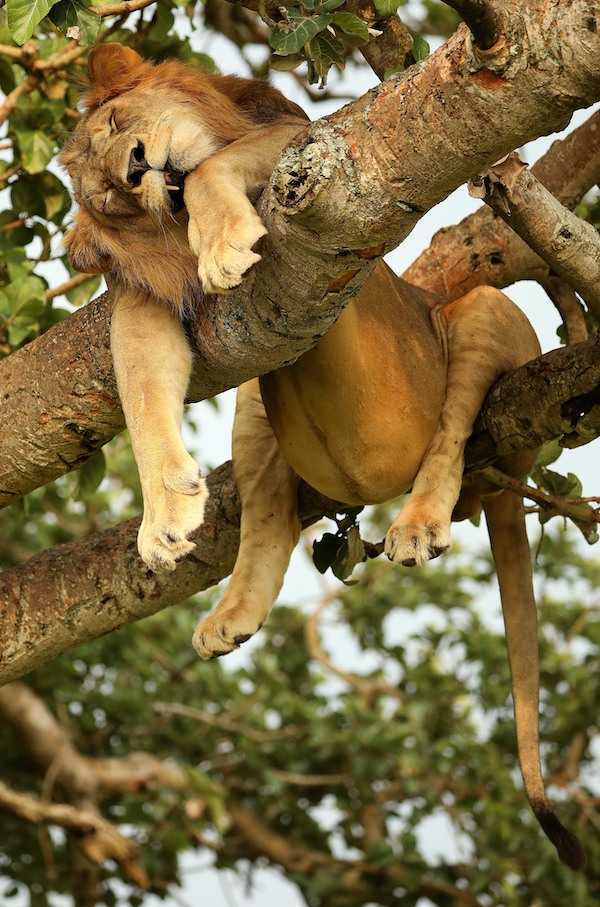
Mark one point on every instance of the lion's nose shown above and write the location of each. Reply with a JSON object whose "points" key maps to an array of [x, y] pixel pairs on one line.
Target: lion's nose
{"points": [[138, 165]]}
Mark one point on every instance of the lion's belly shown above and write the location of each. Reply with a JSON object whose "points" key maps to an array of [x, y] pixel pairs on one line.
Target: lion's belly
{"points": [[355, 415]]}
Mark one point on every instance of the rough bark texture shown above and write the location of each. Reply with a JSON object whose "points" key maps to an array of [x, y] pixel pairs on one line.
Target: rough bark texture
{"points": [[482, 249], [347, 191], [569, 245], [81, 590]]}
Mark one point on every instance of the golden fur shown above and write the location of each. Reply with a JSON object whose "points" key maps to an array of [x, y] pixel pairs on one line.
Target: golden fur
{"points": [[385, 402]]}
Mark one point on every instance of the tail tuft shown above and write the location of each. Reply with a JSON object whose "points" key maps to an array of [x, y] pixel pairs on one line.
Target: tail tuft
{"points": [[568, 847]]}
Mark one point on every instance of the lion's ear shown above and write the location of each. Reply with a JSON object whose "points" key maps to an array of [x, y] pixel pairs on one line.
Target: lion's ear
{"points": [[86, 251], [112, 68]]}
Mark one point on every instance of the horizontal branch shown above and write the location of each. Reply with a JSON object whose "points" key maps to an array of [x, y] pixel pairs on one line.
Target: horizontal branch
{"points": [[346, 191], [482, 249], [569, 245]]}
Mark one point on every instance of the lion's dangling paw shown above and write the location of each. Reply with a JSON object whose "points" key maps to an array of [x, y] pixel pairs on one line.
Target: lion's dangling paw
{"points": [[163, 537], [225, 629], [411, 544]]}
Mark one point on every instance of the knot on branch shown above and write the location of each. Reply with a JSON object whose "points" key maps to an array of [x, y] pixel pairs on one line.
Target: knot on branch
{"points": [[307, 165]]}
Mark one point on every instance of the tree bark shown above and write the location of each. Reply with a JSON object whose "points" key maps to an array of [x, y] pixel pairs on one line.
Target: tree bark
{"points": [[569, 245], [348, 190], [482, 249]]}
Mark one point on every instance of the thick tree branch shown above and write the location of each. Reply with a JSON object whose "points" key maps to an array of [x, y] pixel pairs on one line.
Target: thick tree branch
{"points": [[348, 190], [569, 245], [84, 589], [482, 249]]}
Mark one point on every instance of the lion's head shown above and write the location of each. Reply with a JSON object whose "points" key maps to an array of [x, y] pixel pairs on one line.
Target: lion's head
{"points": [[144, 128]]}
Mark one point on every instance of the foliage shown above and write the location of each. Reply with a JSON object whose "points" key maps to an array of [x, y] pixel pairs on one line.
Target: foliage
{"points": [[434, 749]]}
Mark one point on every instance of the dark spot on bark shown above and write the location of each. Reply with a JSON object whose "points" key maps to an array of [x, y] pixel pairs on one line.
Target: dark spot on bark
{"points": [[468, 240], [591, 24], [565, 233], [474, 259]]}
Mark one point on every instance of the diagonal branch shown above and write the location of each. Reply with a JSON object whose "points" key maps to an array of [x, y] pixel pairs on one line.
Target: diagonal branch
{"points": [[348, 190], [569, 245], [99, 839], [482, 249]]}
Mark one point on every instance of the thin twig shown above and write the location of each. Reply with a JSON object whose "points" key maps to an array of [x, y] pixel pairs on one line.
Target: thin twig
{"points": [[370, 689], [12, 97], [122, 9], [224, 722], [68, 285]]}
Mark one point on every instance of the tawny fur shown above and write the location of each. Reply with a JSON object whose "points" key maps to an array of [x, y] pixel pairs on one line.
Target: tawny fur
{"points": [[384, 403]]}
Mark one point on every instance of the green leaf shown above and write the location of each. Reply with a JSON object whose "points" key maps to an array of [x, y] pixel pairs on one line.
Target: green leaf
{"points": [[325, 550], [37, 150], [387, 7], [349, 555], [91, 474], [351, 25], [324, 50], [549, 453], [42, 194], [7, 76], [420, 49], [25, 15], [291, 36], [84, 292], [71, 13], [330, 5]]}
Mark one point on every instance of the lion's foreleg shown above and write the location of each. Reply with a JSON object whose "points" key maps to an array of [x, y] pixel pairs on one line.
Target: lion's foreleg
{"points": [[223, 225], [152, 361], [487, 336], [270, 528]]}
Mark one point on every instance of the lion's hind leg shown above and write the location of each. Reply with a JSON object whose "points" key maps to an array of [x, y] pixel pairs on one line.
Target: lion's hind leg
{"points": [[487, 336], [153, 361], [270, 528]]}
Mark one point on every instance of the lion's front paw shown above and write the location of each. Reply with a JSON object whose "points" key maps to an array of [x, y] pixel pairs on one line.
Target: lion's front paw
{"points": [[169, 520], [224, 256], [412, 543], [226, 629]]}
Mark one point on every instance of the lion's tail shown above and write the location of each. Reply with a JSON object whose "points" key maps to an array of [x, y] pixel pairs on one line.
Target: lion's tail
{"points": [[506, 526]]}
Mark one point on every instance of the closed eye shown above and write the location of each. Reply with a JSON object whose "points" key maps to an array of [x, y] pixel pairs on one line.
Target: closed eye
{"points": [[112, 122]]}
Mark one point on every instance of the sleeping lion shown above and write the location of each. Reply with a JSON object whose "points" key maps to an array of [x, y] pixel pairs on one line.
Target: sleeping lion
{"points": [[163, 164]]}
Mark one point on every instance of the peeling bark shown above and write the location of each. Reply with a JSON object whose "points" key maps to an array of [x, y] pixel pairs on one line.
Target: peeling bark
{"points": [[349, 189]]}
